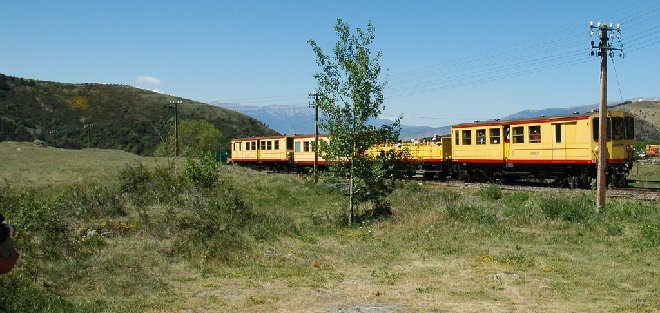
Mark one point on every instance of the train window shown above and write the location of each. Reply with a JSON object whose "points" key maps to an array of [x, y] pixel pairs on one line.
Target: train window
{"points": [[305, 146], [457, 139], [481, 136], [557, 132], [596, 128], [630, 127], [269, 145], [494, 135], [262, 145], [467, 137], [277, 145], [618, 128], [518, 134], [247, 146], [297, 149], [254, 145], [534, 134]]}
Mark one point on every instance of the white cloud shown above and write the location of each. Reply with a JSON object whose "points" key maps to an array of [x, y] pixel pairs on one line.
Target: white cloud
{"points": [[147, 80]]}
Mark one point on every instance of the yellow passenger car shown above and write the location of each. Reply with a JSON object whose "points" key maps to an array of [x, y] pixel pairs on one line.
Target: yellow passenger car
{"points": [[432, 156], [563, 148], [266, 151], [303, 150]]}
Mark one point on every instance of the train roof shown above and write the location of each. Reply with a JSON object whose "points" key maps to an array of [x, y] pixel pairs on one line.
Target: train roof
{"points": [[540, 119], [309, 136], [277, 137], [259, 138]]}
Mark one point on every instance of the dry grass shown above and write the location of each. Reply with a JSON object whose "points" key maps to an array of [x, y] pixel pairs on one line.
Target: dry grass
{"points": [[443, 250], [25, 164]]}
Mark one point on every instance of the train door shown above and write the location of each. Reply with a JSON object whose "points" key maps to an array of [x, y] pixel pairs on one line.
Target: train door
{"points": [[559, 142], [507, 142], [258, 150]]}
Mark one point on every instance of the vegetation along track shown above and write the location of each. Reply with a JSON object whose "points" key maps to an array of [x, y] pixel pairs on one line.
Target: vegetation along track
{"points": [[645, 194]]}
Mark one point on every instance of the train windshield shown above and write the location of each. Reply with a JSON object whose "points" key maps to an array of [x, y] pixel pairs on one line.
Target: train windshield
{"points": [[618, 128]]}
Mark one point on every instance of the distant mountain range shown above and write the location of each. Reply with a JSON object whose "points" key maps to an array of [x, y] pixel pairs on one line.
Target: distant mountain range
{"points": [[288, 119]]}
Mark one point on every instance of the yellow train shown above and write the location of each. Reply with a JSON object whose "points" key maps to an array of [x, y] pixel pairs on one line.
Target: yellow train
{"points": [[276, 152], [563, 148]]}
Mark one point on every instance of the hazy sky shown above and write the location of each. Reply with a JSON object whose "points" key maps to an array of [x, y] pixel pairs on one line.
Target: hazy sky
{"points": [[446, 61]]}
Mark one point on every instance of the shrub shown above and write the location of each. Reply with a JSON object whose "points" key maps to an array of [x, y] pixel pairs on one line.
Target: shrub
{"points": [[577, 209], [202, 173], [222, 226], [91, 201], [491, 192], [134, 178]]}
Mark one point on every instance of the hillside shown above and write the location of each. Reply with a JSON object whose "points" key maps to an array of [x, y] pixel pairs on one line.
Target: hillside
{"points": [[647, 114], [104, 116]]}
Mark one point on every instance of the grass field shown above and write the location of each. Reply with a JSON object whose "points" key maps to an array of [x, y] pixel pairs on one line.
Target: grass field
{"points": [[161, 239]]}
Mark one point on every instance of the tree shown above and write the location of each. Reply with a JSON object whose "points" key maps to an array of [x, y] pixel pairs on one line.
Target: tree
{"points": [[196, 139], [351, 95]]}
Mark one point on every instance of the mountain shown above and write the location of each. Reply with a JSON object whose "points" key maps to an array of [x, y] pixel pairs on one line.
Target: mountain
{"points": [[300, 120], [288, 119], [105, 115]]}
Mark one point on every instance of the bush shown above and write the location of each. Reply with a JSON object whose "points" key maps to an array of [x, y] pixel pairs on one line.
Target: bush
{"points": [[491, 192], [223, 226], [578, 209], [202, 173], [134, 178], [46, 235], [91, 202]]}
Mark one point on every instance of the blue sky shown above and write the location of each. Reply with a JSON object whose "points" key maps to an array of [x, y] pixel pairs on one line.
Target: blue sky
{"points": [[445, 61]]}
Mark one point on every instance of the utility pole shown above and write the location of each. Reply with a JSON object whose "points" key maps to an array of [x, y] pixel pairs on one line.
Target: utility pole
{"points": [[604, 49], [175, 104], [315, 105], [88, 128]]}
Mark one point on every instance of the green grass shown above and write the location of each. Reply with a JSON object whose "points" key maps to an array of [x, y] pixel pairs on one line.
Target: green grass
{"points": [[25, 164], [646, 170], [256, 241]]}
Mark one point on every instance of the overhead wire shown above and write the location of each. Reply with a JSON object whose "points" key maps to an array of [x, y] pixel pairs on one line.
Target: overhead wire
{"points": [[518, 60]]}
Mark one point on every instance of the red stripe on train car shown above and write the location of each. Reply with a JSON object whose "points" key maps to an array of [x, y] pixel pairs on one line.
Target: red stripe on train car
{"points": [[310, 162], [541, 162], [432, 160], [260, 160], [489, 161], [244, 160]]}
